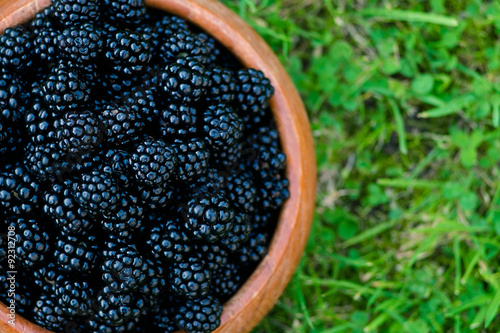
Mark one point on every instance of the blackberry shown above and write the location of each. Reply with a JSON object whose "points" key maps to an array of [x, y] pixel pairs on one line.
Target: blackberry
{"points": [[32, 241], [253, 90], [223, 87], [222, 127], [45, 46], [118, 309], [164, 321], [193, 157], [76, 254], [255, 248], [200, 315], [123, 268], [65, 89], [158, 196], [209, 216], [190, 279], [74, 297], [48, 314], [16, 48], [125, 12], [184, 44], [79, 133], [97, 193], [127, 219], [117, 165], [184, 80], [264, 145], [41, 21], [74, 12], [213, 256], [19, 193], [95, 325], [80, 43], [227, 161], [141, 101], [68, 216], [241, 191], [10, 103], [40, 124], [178, 121], [121, 124], [227, 280], [239, 233], [156, 282], [48, 276], [167, 25], [166, 242], [17, 287], [128, 52], [272, 191], [153, 162]]}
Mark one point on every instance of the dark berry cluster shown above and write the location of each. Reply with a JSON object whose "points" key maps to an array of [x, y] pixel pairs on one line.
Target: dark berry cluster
{"points": [[139, 168]]}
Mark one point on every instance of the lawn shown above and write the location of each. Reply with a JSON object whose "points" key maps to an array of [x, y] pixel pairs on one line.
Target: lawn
{"points": [[404, 102]]}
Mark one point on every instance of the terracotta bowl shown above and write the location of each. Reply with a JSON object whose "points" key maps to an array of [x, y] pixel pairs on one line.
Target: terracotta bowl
{"points": [[258, 295]]}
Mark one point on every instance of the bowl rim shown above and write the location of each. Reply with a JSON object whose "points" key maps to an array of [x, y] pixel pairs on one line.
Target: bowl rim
{"points": [[266, 284]]}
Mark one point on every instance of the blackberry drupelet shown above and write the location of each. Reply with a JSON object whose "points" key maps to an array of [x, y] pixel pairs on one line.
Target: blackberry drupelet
{"points": [[128, 51], [16, 48], [223, 86], [184, 80], [193, 156], [74, 12], [126, 220], [209, 216], [239, 233], [190, 279], [222, 127], [76, 254], [32, 241], [74, 297], [68, 216], [184, 44], [153, 162], [66, 89], [178, 121], [120, 123], [79, 133], [81, 43], [125, 12], [123, 268], [97, 193], [200, 315], [167, 242]]}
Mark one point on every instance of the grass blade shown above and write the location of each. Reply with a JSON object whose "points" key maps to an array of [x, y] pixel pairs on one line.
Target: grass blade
{"points": [[410, 16], [400, 127], [451, 107], [492, 311]]}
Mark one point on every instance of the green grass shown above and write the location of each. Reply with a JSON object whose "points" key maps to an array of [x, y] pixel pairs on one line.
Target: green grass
{"points": [[404, 101]]}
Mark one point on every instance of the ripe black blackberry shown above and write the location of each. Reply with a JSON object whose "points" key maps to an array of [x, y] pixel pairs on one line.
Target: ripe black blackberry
{"points": [[178, 121], [48, 314], [97, 193], [126, 220], [128, 51], [184, 80], [41, 21], [125, 12], [40, 124], [167, 25], [199, 315], [239, 233], [45, 161], [74, 297], [65, 89], [75, 12], [19, 192], [193, 156], [32, 241], [10, 101], [153, 162], [155, 285], [209, 216], [68, 216], [165, 320], [254, 249], [253, 90], [16, 48], [156, 197], [167, 242], [79, 133], [240, 190], [123, 268], [118, 309], [117, 164], [213, 256], [81, 43], [19, 288], [184, 44], [272, 191], [48, 276], [141, 100], [227, 280], [229, 160], [120, 123], [223, 86], [221, 126], [190, 279], [76, 254], [45, 46]]}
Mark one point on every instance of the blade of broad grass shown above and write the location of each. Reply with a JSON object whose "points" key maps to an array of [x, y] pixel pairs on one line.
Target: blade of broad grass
{"points": [[479, 318], [458, 266], [400, 127], [449, 108], [370, 233], [492, 311], [475, 302], [302, 301], [407, 183], [470, 267], [450, 226], [424, 163], [409, 16]]}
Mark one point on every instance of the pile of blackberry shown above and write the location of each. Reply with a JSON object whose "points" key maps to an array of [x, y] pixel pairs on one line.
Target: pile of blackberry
{"points": [[139, 165]]}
